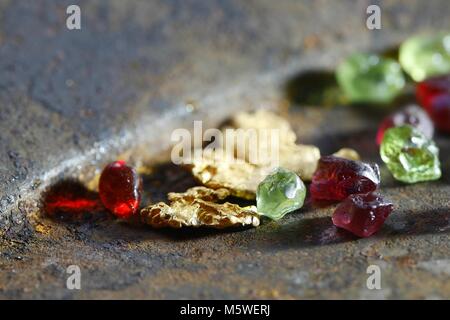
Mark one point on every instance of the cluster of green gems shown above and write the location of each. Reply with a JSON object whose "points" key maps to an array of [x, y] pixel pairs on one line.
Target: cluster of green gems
{"points": [[368, 78], [409, 155], [279, 193]]}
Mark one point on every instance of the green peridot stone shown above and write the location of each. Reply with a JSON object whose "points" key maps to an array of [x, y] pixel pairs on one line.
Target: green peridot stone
{"points": [[425, 56], [279, 193], [370, 78], [409, 155]]}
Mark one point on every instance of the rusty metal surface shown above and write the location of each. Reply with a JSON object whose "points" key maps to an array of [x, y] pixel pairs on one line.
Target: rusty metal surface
{"points": [[72, 100]]}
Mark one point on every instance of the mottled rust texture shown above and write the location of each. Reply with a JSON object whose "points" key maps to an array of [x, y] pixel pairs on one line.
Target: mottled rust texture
{"points": [[72, 100]]}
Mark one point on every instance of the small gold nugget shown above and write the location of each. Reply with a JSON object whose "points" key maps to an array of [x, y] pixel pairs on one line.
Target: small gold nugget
{"points": [[197, 207], [347, 153]]}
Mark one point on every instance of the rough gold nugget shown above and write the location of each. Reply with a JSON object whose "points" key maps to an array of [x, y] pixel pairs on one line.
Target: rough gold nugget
{"points": [[262, 120], [238, 171], [216, 170], [196, 207]]}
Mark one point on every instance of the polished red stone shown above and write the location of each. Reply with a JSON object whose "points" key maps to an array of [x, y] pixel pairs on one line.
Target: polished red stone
{"points": [[434, 96], [362, 214], [120, 189], [412, 115], [337, 178]]}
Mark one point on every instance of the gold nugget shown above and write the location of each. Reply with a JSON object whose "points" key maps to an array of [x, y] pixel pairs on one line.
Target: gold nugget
{"points": [[199, 193], [197, 207], [237, 168], [296, 157], [216, 170], [262, 120], [347, 153], [300, 158]]}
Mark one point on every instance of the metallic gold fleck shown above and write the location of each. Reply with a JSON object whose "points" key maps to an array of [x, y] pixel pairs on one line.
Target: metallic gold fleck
{"points": [[347, 153], [196, 208]]}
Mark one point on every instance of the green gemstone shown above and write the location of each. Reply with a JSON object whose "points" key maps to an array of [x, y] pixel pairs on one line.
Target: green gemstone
{"points": [[425, 56], [409, 155], [279, 193], [370, 78]]}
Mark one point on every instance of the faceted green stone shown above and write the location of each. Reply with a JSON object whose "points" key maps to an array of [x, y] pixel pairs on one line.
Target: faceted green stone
{"points": [[425, 56], [409, 155], [370, 78], [279, 193]]}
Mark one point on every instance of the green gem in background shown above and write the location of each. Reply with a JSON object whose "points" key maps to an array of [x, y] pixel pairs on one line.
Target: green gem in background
{"points": [[279, 193], [370, 78], [425, 56], [409, 155]]}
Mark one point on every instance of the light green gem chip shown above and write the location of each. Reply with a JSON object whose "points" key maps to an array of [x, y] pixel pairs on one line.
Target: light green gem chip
{"points": [[279, 193], [370, 78], [409, 155], [425, 56]]}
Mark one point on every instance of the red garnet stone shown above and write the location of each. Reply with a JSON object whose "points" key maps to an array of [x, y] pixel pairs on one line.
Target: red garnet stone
{"points": [[362, 214], [337, 178], [412, 115], [434, 96], [120, 189]]}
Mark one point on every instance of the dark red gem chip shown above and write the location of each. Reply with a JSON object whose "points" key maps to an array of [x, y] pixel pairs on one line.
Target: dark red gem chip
{"points": [[337, 178], [362, 214]]}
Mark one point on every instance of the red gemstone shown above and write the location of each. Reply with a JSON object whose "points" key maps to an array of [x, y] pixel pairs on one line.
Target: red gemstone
{"points": [[362, 214], [120, 189], [337, 178], [434, 96], [411, 115]]}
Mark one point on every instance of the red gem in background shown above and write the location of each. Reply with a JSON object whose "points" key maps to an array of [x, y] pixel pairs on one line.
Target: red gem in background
{"points": [[337, 178], [412, 115], [434, 96], [362, 214], [120, 189]]}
